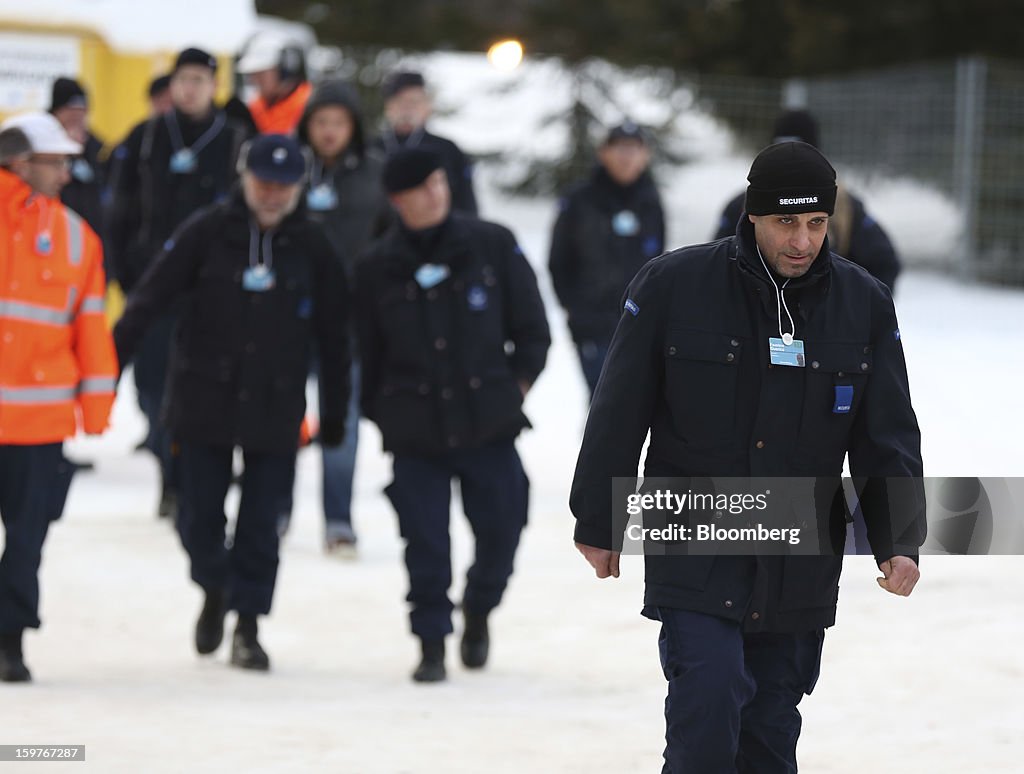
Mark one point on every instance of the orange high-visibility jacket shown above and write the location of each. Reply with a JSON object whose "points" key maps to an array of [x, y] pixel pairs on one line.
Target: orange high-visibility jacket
{"points": [[58, 367], [283, 116]]}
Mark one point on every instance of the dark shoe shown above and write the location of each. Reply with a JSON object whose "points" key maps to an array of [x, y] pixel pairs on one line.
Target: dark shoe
{"points": [[246, 651], [431, 668], [12, 665], [476, 641], [210, 626]]}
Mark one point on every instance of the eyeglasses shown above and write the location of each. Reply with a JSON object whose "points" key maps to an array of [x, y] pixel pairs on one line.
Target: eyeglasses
{"points": [[61, 163]]}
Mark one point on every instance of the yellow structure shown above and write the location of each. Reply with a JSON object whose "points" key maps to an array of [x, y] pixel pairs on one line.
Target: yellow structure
{"points": [[114, 50]]}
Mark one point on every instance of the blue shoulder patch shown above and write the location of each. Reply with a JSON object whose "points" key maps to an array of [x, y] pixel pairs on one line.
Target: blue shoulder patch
{"points": [[168, 245], [631, 307], [896, 334]]}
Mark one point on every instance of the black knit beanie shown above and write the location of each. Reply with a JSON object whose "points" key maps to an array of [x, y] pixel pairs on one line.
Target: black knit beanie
{"points": [[408, 168], [791, 177]]}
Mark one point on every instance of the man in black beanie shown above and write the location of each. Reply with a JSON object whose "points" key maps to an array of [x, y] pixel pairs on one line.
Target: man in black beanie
{"points": [[452, 334], [69, 104], [760, 355], [852, 232]]}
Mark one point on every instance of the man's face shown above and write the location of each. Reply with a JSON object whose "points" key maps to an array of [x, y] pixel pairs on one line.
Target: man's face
{"points": [[192, 90], [427, 204], [74, 120], [330, 130], [267, 82], [44, 173], [790, 243], [269, 202], [624, 160], [408, 110]]}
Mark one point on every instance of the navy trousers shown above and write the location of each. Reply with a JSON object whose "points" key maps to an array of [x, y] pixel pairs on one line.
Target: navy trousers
{"points": [[150, 365], [245, 567], [31, 496], [733, 696], [494, 491]]}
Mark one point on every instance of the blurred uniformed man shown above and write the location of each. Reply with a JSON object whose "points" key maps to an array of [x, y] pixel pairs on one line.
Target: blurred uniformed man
{"points": [[58, 369]]}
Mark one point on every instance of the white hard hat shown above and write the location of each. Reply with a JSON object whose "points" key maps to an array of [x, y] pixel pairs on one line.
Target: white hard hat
{"points": [[263, 52], [44, 133]]}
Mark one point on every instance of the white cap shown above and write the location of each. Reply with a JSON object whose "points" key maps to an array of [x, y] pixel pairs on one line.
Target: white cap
{"points": [[44, 133], [263, 52]]}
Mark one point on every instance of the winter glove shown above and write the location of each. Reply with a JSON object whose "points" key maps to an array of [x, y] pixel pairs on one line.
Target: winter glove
{"points": [[332, 432]]}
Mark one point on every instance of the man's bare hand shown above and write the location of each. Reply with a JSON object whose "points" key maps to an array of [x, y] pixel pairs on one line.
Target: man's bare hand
{"points": [[604, 562], [901, 575]]}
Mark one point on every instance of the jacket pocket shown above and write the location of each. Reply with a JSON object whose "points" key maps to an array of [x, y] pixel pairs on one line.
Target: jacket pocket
{"points": [[497, 406], [810, 582], [405, 414], [701, 372], [837, 374]]}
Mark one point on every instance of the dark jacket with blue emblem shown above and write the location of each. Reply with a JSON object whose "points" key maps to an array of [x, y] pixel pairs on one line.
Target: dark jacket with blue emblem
{"points": [[238, 374], [604, 234], [690, 364], [441, 365], [149, 200]]}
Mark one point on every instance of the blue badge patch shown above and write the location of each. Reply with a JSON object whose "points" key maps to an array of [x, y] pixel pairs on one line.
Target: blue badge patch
{"points": [[896, 334], [305, 309], [476, 297], [631, 307], [844, 399], [652, 246], [168, 245]]}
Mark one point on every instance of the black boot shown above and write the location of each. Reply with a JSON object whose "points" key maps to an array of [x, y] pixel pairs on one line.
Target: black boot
{"points": [[12, 665], [210, 626], [475, 641], [246, 651], [431, 668]]}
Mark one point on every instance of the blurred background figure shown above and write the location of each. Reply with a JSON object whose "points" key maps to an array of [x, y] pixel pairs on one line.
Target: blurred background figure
{"points": [[58, 370], [407, 108], [277, 68], [259, 284], [439, 298], [160, 95], [608, 226], [852, 233], [346, 196], [170, 166], [85, 190]]}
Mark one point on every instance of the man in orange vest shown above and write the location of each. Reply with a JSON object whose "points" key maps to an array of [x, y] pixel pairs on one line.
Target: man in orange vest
{"points": [[277, 68], [58, 368]]}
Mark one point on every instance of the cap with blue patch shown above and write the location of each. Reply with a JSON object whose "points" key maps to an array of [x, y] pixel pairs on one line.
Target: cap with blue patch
{"points": [[276, 158]]}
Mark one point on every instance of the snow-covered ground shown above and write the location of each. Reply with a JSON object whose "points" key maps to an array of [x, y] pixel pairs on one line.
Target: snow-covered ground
{"points": [[930, 684]]}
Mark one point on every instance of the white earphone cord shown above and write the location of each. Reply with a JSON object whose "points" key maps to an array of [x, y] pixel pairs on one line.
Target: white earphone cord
{"points": [[780, 297]]}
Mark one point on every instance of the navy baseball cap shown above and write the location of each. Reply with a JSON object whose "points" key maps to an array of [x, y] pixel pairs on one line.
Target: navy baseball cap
{"points": [[276, 158]]}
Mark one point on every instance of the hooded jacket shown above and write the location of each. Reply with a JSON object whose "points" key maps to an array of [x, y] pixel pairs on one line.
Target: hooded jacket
{"points": [[357, 209]]}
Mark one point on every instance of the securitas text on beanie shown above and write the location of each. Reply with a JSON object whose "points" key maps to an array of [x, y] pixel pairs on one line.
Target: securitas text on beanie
{"points": [[791, 177]]}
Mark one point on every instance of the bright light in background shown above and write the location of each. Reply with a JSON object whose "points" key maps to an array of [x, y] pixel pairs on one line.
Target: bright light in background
{"points": [[505, 54]]}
